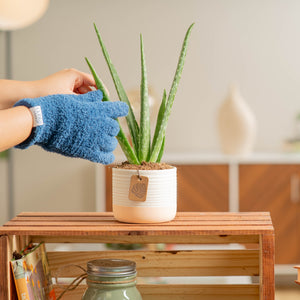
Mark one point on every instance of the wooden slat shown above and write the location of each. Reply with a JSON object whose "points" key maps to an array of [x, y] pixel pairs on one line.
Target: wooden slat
{"points": [[179, 215], [185, 291], [181, 219], [166, 263], [100, 220], [220, 215], [203, 292], [136, 230], [83, 224], [136, 238], [65, 223]]}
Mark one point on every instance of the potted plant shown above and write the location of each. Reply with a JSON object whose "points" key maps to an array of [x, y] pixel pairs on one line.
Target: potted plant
{"points": [[144, 189]]}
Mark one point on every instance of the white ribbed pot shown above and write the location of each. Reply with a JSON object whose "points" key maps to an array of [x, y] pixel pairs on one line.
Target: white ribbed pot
{"points": [[161, 198]]}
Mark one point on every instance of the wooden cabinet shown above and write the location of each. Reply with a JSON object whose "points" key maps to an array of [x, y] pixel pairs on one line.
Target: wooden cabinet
{"points": [[275, 188], [203, 188]]}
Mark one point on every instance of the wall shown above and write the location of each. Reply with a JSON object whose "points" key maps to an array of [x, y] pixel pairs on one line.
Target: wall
{"points": [[254, 43]]}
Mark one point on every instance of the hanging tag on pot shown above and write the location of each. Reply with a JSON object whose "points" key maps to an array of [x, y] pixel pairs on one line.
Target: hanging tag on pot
{"points": [[138, 188]]}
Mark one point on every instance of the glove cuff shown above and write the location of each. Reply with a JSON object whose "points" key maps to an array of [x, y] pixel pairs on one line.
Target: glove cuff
{"points": [[37, 130]]}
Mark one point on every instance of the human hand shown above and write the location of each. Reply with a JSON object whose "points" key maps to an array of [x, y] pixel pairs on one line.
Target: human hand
{"points": [[75, 125], [67, 81]]}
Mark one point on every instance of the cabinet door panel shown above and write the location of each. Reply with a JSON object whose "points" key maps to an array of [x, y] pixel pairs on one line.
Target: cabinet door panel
{"points": [[199, 188], [267, 187], [203, 188]]}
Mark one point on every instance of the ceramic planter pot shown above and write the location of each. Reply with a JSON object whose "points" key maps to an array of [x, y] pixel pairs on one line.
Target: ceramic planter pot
{"points": [[160, 200]]}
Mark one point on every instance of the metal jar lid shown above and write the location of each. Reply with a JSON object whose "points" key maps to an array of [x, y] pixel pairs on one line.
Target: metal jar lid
{"points": [[111, 267]]}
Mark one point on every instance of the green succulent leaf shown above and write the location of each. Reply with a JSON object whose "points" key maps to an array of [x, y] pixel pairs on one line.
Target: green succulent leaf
{"points": [[99, 84], [156, 147], [126, 148], [161, 152], [144, 142], [142, 149], [131, 120], [160, 116], [123, 141]]}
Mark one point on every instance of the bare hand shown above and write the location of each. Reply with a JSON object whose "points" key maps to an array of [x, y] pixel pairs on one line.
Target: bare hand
{"points": [[68, 81]]}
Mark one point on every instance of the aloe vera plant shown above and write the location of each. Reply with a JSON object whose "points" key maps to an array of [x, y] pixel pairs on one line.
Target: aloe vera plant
{"points": [[142, 148]]}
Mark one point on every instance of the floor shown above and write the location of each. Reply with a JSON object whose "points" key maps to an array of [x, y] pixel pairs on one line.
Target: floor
{"points": [[287, 294], [285, 286]]}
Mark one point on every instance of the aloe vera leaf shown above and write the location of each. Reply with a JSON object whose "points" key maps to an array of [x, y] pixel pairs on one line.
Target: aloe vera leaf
{"points": [[159, 117], [162, 149], [99, 84], [158, 142], [123, 141], [148, 157], [126, 148], [131, 120], [145, 114]]}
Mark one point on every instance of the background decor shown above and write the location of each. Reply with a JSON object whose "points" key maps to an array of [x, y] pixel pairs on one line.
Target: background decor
{"points": [[16, 14], [236, 124]]}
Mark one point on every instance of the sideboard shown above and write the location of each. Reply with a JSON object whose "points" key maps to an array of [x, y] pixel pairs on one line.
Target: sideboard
{"points": [[260, 182]]}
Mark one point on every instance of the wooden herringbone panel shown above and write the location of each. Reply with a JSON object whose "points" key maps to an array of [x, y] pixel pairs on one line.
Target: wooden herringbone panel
{"points": [[203, 188], [268, 188]]}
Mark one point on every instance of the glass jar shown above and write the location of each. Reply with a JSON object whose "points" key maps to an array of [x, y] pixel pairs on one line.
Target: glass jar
{"points": [[111, 279]]}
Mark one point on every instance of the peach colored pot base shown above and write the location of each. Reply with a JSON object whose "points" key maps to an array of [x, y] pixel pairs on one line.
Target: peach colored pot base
{"points": [[160, 204], [144, 214]]}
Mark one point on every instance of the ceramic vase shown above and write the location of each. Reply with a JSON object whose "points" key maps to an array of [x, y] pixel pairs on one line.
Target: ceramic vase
{"points": [[236, 125]]}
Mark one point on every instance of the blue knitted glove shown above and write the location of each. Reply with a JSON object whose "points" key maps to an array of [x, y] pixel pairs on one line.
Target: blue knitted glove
{"points": [[75, 125]]}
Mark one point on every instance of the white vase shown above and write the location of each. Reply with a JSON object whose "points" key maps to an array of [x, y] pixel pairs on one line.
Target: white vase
{"points": [[236, 125], [161, 197]]}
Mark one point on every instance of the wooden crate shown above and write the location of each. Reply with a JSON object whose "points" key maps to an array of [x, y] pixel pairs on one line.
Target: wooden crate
{"points": [[188, 229]]}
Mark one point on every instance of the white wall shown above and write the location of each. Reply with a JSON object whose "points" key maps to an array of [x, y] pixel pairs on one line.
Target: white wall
{"points": [[255, 43]]}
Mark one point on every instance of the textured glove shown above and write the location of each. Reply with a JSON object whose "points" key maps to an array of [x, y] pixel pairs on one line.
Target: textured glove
{"points": [[75, 125]]}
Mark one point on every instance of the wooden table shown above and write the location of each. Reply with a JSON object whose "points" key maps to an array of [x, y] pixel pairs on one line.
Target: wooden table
{"points": [[189, 229]]}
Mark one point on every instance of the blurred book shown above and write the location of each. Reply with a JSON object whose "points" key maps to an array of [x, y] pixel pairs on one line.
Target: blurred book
{"points": [[31, 273]]}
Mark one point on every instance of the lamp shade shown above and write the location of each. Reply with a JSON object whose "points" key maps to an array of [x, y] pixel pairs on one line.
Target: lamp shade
{"points": [[16, 14]]}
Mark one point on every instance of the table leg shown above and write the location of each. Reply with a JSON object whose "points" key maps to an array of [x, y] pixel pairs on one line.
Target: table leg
{"points": [[267, 261], [7, 288]]}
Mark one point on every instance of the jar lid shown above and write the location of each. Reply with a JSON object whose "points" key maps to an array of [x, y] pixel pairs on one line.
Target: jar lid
{"points": [[111, 267]]}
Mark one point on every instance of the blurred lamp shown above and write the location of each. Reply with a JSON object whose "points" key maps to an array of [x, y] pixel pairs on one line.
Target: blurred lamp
{"points": [[16, 14]]}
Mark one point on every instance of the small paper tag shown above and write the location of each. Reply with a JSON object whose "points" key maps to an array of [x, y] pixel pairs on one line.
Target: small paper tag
{"points": [[37, 116], [138, 188]]}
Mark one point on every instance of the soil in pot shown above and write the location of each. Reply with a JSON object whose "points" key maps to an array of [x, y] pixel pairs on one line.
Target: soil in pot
{"points": [[144, 166]]}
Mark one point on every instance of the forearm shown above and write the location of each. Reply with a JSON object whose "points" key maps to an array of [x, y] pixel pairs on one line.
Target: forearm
{"points": [[12, 91], [15, 126]]}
